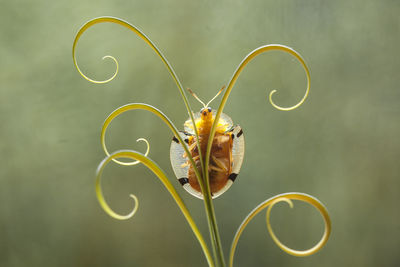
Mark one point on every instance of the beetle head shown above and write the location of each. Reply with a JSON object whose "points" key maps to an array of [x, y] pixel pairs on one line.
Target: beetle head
{"points": [[205, 112]]}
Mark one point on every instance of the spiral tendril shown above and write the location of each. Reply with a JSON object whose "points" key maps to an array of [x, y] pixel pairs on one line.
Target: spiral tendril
{"points": [[298, 253], [147, 40], [150, 164], [235, 76], [103, 143], [233, 80], [93, 80], [103, 202], [286, 197], [155, 111], [109, 79]]}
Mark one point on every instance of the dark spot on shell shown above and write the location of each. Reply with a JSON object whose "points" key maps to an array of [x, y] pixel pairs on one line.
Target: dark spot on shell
{"points": [[233, 176], [183, 180]]}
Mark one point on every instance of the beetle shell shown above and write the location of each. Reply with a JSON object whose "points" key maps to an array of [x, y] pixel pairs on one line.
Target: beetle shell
{"points": [[226, 155]]}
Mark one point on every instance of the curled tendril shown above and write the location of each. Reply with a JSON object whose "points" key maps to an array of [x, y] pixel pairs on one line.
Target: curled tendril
{"points": [[109, 79], [100, 197], [257, 52], [233, 80], [103, 144], [150, 164], [158, 113], [127, 25], [139, 33], [286, 197]]}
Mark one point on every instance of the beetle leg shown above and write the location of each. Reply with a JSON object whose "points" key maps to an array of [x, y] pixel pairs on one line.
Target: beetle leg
{"points": [[191, 147], [219, 164], [215, 168], [187, 163]]}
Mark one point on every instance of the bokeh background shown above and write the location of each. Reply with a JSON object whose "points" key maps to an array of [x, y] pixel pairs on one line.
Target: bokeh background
{"points": [[341, 146]]}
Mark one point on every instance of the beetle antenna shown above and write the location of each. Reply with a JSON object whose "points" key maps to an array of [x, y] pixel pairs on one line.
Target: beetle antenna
{"points": [[223, 87], [195, 96]]}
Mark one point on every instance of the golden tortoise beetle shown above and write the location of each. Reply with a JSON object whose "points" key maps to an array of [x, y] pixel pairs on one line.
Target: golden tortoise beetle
{"points": [[226, 155]]}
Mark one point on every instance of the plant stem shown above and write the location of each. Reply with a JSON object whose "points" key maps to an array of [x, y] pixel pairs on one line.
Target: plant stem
{"points": [[212, 225], [214, 234]]}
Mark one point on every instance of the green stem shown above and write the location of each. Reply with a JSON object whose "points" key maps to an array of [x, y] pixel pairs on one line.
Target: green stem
{"points": [[214, 233]]}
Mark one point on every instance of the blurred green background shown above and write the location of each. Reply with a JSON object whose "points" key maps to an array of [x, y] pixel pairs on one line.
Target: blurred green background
{"points": [[342, 146]]}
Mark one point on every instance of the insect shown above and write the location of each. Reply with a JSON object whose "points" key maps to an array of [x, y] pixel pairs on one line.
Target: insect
{"points": [[226, 155]]}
